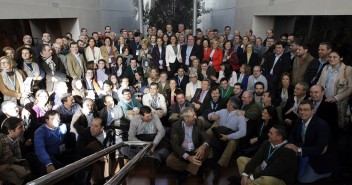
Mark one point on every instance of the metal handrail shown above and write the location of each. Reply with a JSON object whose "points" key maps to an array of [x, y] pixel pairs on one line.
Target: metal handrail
{"points": [[119, 177], [72, 168]]}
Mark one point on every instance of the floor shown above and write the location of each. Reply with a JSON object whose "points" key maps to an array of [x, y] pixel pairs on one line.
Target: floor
{"points": [[165, 176]]}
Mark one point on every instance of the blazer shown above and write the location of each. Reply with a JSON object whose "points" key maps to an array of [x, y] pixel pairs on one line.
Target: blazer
{"points": [[79, 122], [254, 60], [182, 85], [175, 108], [190, 91], [343, 86], [203, 104], [328, 112], [206, 54], [105, 54], [170, 56], [178, 136], [282, 65], [234, 60], [317, 145], [217, 59], [74, 68], [130, 74], [164, 91], [156, 56], [312, 74], [59, 73], [196, 51], [93, 55]]}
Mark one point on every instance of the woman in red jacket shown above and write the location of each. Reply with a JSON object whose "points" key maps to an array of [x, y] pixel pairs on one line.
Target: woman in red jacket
{"points": [[216, 55], [206, 49], [231, 56]]}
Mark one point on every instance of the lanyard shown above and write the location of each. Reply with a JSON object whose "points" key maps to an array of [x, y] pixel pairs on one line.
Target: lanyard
{"points": [[271, 153], [212, 105], [13, 83], [128, 104], [222, 92], [32, 71]]}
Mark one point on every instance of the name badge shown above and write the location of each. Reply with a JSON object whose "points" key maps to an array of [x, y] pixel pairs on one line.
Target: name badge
{"points": [[161, 62], [263, 165], [190, 146], [137, 52], [62, 148], [146, 63]]}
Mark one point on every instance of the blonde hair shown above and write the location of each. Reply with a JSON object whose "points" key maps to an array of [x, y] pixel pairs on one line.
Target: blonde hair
{"points": [[10, 60]]}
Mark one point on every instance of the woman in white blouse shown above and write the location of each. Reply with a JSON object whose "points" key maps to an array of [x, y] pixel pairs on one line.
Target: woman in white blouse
{"points": [[173, 56], [92, 52], [227, 72]]}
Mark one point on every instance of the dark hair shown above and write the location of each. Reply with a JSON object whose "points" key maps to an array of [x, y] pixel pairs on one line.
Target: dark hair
{"points": [[94, 33], [235, 102], [271, 111], [108, 39], [154, 83], [214, 89], [281, 131], [108, 82], [10, 124], [238, 84], [259, 83], [228, 69], [74, 43], [303, 102], [328, 45], [91, 38], [224, 79], [84, 29], [228, 41], [283, 44], [126, 90], [145, 109], [42, 48], [50, 113]]}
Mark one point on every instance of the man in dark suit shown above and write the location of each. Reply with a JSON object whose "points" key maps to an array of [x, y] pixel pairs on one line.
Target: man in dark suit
{"points": [[52, 65], [163, 83], [190, 51], [275, 65], [290, 111], [133, 68], [181, 79], [189, 144], [178, 107], [201, 96], [135, 45], [310, 139], [315, 68], [278, 166], [327, 111]]}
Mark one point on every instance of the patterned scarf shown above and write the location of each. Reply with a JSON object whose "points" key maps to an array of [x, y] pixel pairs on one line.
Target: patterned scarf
{"points": [[34, 72], [18, 79]]}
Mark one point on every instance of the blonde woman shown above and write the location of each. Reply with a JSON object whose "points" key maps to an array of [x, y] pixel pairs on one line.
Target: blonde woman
{"points": [[11, 81]]}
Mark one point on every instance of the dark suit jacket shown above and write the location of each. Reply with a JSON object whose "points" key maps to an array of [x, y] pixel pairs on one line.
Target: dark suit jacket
{"points": [[203, 105], [282, 164], [134, 47], [289, 104], [59, 73], [156, 56], [213, 106], [312, 74], [282, 65], [175, 108], [328, 112], [196, 51], [253, 61], [178, 136], [317, 140], [183, 83], [164, 91], [130, 74]]}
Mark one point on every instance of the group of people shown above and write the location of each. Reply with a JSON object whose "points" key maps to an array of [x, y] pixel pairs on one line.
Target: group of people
{"points": [[199, 99]]}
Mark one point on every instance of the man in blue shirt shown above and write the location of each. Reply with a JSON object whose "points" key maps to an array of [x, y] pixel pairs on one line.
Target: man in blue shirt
{"points": [[224, 143]]}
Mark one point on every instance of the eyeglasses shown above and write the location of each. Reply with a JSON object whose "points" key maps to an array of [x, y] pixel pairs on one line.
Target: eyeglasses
{"points": [[4, 62]]}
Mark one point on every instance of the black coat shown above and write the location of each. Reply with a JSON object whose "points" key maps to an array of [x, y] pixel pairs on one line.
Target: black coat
{"points": [[196, 51]]}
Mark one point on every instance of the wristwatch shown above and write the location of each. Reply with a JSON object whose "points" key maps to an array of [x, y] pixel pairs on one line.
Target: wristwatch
{"points": [[299, 151]]}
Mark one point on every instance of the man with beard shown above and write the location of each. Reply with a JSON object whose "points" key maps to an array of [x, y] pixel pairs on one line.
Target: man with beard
{"points": [[258, 92], [300, 63]]}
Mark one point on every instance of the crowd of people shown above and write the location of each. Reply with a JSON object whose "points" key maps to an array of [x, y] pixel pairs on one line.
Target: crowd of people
{"points": [[200, 99]]}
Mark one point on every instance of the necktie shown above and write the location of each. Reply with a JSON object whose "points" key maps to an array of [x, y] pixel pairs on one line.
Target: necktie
{"points": [[201, 97], [154, 103], [303, 132]]}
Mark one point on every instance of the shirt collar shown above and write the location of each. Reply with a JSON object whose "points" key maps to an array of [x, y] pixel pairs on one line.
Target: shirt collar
{"points": [[278, 145]]}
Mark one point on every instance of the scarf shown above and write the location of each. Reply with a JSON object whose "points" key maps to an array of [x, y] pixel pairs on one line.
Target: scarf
{"points": [[49, 61], [32, 71], [12, 86]]}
